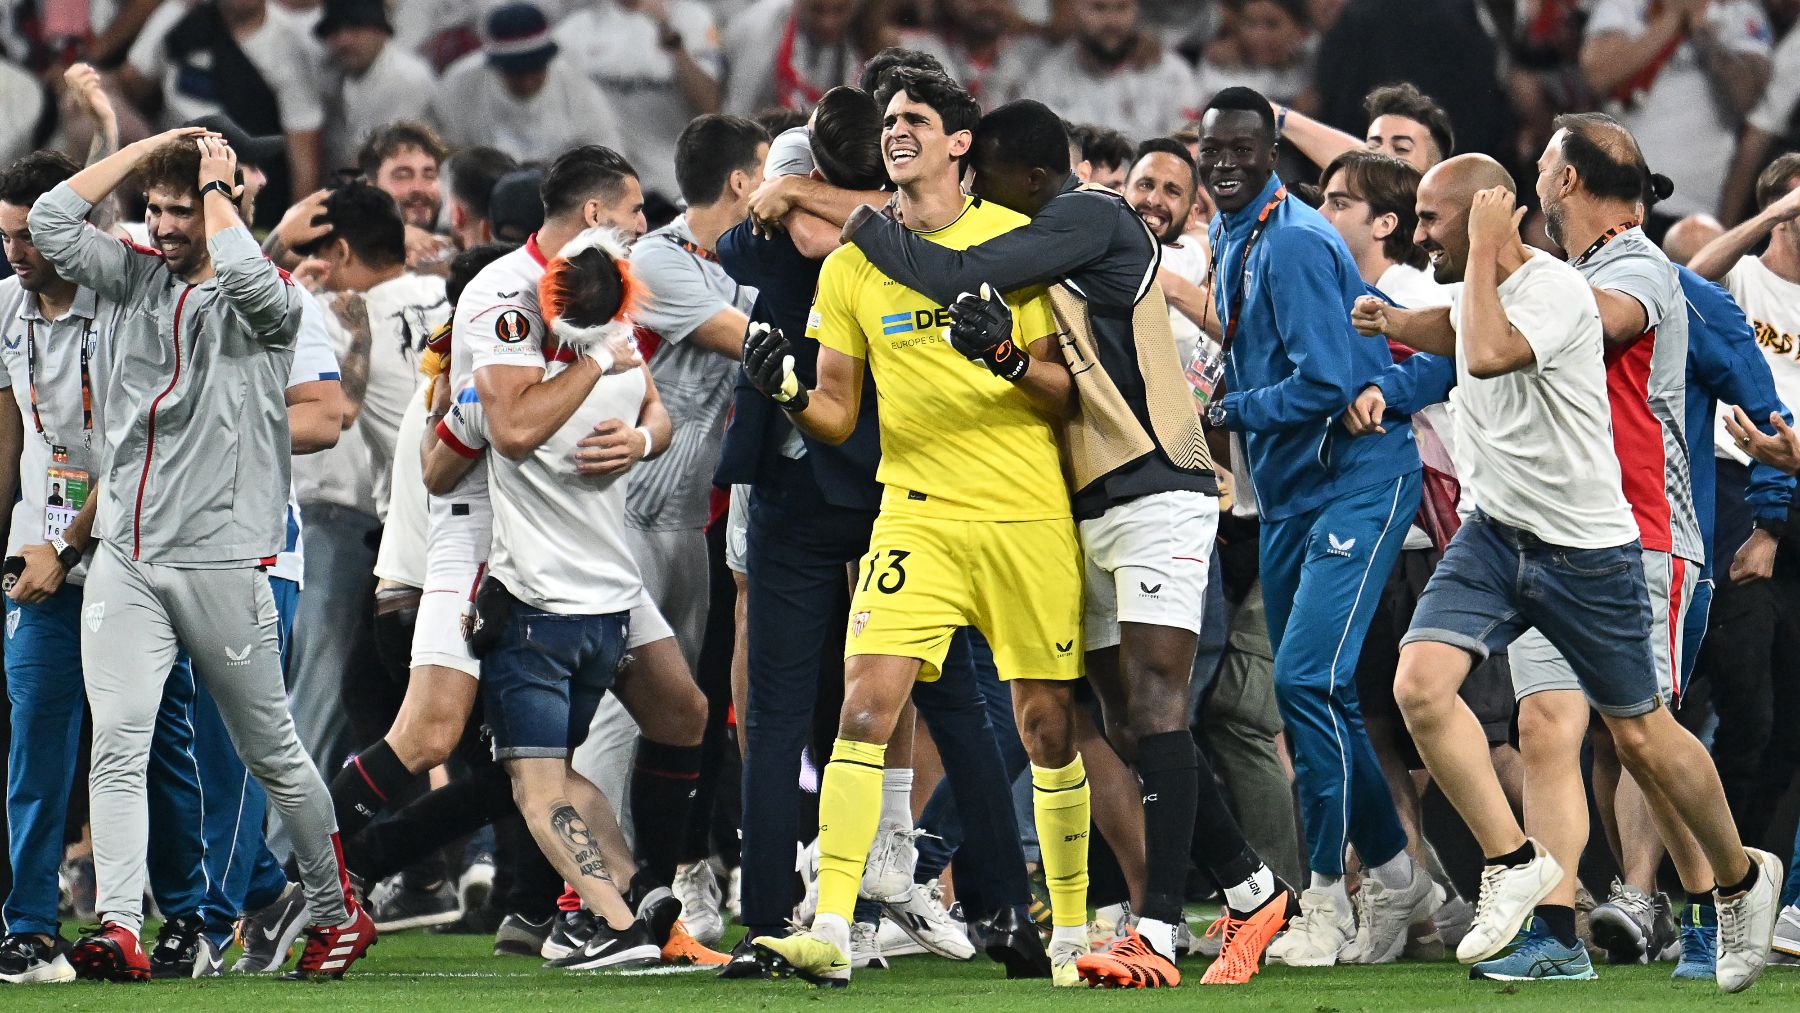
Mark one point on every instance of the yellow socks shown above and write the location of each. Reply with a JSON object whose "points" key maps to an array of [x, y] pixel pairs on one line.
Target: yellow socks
{"points": [[1059, 798], [849, 810]]}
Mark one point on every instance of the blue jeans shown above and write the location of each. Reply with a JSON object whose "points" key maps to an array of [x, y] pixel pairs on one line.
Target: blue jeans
{"points": [[1497, 581], [545, 677], [1322, 575], [44, 685]]}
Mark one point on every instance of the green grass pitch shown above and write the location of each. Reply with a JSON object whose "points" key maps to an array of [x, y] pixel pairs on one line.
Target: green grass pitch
{"points": [[417, 972]]}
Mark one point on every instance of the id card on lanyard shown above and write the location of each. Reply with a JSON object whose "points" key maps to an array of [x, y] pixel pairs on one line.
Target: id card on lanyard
{"points": [[1207, 370], [66, 486]]}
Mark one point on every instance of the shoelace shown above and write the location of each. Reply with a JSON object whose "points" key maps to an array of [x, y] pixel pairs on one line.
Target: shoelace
{"points": [[1639, 905], [1236, 961], [1734, 927], [1490, 882], [1697, 942]]}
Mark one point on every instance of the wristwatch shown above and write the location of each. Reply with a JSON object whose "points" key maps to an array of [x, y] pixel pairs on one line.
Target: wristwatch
{"points": [[219, 185], [1777, 526], [68, 555], [1215, 414]]}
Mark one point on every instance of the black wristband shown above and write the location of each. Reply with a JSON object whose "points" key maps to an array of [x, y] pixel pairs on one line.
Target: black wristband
{"points": [[219, 185], [1773, 525]]}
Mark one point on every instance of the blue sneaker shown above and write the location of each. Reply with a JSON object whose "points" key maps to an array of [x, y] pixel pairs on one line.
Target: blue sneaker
{"points": [[1699, 943], [1538, 957]]}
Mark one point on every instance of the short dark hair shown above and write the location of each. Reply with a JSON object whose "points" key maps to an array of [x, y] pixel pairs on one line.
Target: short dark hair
{"points": [[467, 264], [1389, 186], [1238, 99], [1774, 180], [174, 166], [364, 216], [1403, 99], [712, 147], [1169, 146], [1026, 132], [955, 106], [1605, 156], [385, 141], [1105, 146], [473, 173], [34, 175], [777, 121], [846, 140], [591, 170], [875, 72]]}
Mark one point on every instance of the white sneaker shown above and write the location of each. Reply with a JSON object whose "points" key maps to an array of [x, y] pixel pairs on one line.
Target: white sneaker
{"points": [[476, 883], [697, 887], [1390, 913], [888, 876], [923, 918], [734, 892], [807, 865], [895, 942], [1508, 894], [1325, 928], [1109, 925], [1787, 931], [865, 947], [1747, 925]]}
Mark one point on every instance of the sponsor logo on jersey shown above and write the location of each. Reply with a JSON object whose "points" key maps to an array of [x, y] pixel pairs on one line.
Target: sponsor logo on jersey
{"points": [[915, 320], [238, 658], [1150, 590], [1337, 547], [1063, 647]]}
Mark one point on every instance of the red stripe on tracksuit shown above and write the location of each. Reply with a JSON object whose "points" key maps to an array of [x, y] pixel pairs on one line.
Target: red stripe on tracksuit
{"points": [[1638, 441]]}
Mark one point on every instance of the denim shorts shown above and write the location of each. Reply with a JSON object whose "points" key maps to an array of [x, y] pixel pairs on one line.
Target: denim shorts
{"points": [[1497, 581], [545, 676]]}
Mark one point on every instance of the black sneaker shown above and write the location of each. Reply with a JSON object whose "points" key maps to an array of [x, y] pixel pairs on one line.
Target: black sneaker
{"points": [[746, 961], [1015, 942], [26, 959], [569, 931], [658, 911], [397, 906], [631, 946], [267, 935], [176, 942], [519, 936]]}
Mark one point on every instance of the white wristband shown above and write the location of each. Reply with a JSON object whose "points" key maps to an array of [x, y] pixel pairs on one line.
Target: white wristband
{"points": [[649, 441]]}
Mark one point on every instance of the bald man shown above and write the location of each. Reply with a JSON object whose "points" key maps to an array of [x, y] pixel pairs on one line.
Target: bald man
{"points": [[1689, 236], [1552, 545]]}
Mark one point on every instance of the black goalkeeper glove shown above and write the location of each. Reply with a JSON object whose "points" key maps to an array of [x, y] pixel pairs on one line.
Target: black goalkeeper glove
{"points": [[981, 329], [769, 363]]}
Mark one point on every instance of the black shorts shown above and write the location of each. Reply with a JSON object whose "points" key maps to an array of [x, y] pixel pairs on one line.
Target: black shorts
{"points": [[1488, 689]]}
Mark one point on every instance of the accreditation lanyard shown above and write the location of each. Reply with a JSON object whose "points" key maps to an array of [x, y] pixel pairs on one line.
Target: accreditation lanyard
{"points": [[87, 386], [1256, 231], [1605, 237]]}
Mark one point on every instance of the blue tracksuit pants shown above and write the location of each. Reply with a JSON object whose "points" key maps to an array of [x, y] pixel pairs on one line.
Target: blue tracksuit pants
{"points": [[1322, 574]]}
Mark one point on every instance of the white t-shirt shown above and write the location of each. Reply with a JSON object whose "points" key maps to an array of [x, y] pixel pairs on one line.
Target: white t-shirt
{"points": [[279, 49], [472, 106], [770, 62], [1186, 259], [339, 475], [1536, 444], [403, 312], [1775, 113], [559, 536], [313, 360], [397, 86], [1677, 121], [1773, 305], [618, 49], [1138, 103], [402, 554]]}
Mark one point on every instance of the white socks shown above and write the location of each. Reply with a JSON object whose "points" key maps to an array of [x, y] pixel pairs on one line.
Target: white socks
{"points": [[896, 798], [1333, 885], [833, 929], [1396, 873], [1252, 893], [1160, 936]]}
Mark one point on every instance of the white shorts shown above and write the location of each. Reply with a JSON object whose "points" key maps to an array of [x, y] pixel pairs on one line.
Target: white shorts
{"points": [[647, 624], [1538, 667], [1146, 562], [457, 545], [737, 529]]}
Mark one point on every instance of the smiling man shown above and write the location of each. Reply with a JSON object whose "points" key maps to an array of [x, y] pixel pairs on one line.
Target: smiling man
{"points": [[976, 511], [1334, 512]]}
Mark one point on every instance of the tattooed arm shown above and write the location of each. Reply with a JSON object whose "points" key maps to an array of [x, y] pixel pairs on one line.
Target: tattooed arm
{"points": [[352, 313]]}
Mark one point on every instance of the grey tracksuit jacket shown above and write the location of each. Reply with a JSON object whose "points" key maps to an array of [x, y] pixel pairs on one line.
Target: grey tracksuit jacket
{"points": [[196, 469]]}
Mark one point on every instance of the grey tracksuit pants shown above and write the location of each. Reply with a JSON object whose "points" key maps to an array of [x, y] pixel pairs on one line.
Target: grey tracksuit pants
{"points": [[134, 618]]}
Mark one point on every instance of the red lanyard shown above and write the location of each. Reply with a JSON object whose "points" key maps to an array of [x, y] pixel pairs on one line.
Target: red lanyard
{"points": [[1256, 231], [87, 389], [696, 249], [792, 91], [1605, 237]]}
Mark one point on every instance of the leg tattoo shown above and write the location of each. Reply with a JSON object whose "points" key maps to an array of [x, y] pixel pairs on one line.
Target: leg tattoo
{"points": [[578, 841]]}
